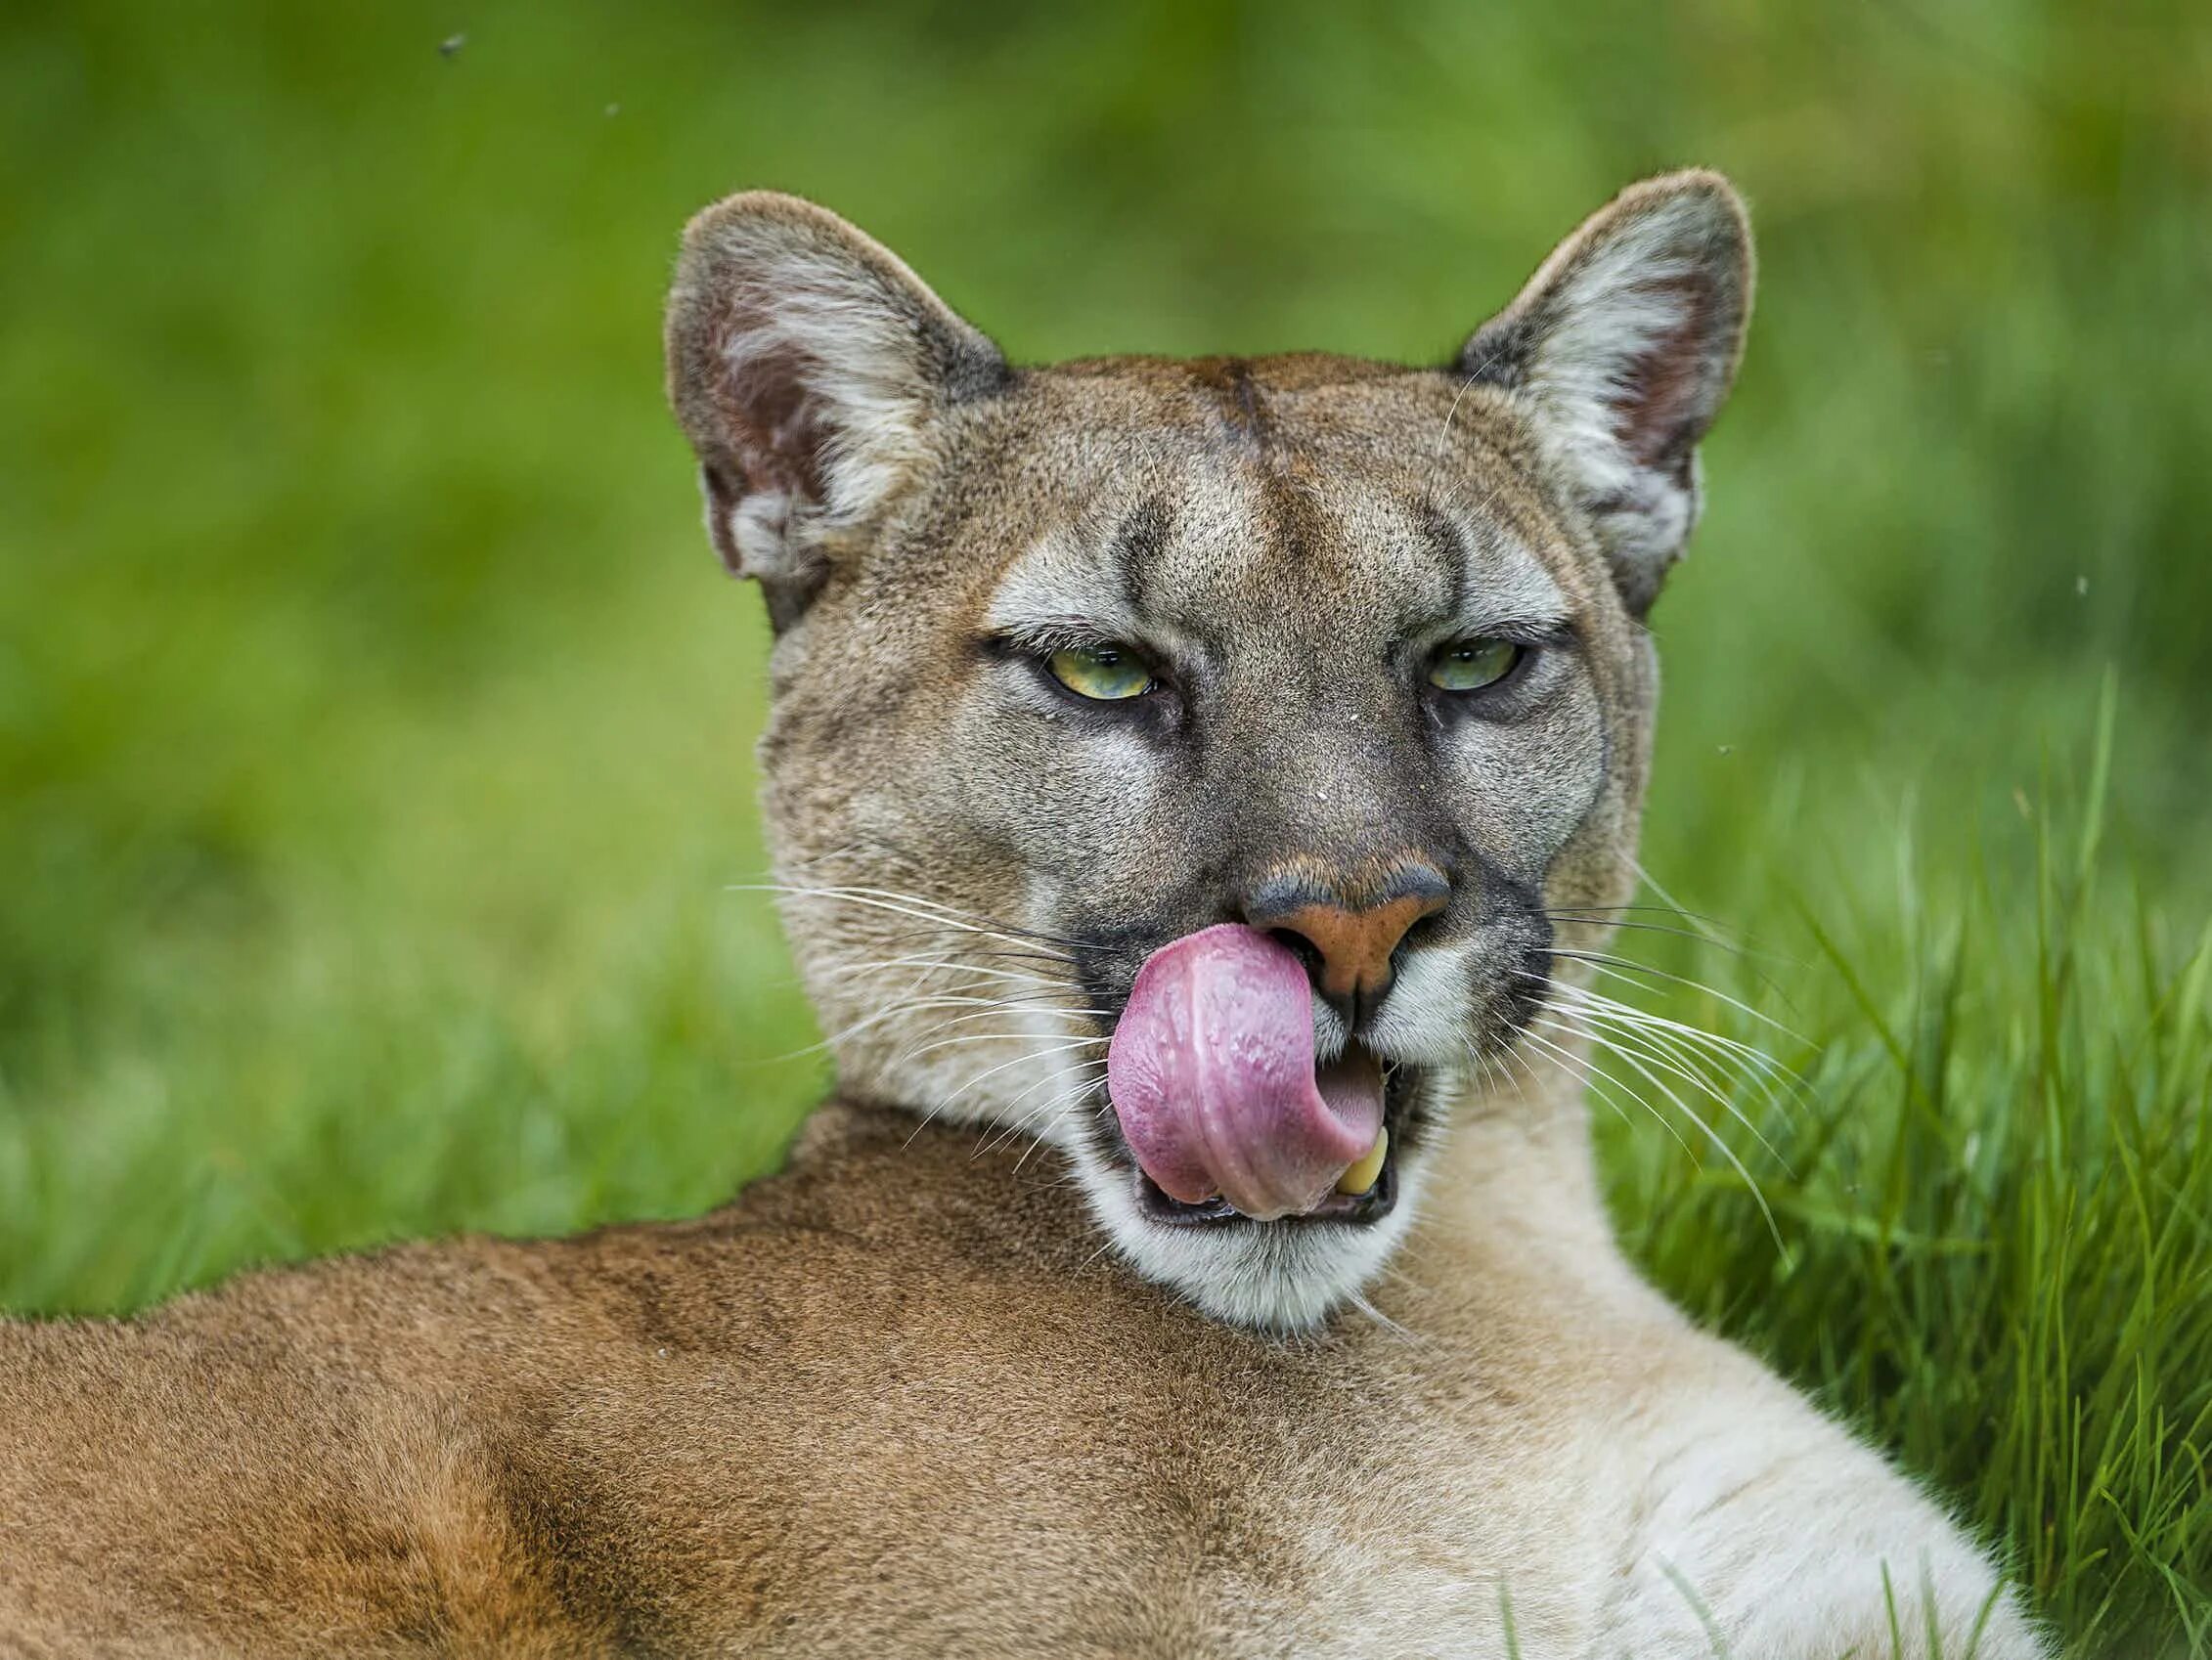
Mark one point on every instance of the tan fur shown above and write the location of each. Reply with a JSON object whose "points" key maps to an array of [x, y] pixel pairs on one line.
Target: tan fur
{"points": [[926, 1391]]}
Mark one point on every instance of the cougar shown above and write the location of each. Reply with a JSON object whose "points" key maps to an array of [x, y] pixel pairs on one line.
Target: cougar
{"points": [[1191, 785]]}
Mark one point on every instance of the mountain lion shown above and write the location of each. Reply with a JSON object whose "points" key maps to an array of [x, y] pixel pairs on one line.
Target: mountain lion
{"points": [[1192, 783]]}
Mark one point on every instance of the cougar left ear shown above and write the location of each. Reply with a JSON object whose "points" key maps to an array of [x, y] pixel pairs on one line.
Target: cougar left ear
{"points": [[808, 365], [1622, 348]]}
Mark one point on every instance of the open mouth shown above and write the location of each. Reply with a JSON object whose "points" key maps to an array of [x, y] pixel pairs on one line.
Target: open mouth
{"points": [[1360, 1207], [1225, 1103]]}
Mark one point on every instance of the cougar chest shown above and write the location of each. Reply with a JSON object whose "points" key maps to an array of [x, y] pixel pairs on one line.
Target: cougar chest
{"points": [[1365, 1504]]}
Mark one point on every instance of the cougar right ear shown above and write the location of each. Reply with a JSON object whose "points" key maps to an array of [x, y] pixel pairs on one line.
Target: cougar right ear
{"points": [[1622, 348], [807, 365]]}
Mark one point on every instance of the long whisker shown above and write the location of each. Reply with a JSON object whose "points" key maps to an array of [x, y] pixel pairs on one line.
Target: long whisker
{"points": [[1716, 1066], [1750, 1054], [1654, 911], [1059, 1045], [1709, 1052], [920, 900], [853, 971], [1057, 1104], [1076, 1066], [958, 943], [1602, 1086], [1359, 1301], [1728, 1153], [1733, 950], [1692, 917], [1023, 1059], [1646, 1047], [911, 1006], [908, 905], [1621, 968], [945, 1000]]}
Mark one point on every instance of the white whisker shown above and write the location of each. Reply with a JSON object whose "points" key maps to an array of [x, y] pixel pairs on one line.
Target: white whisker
{"points": [[1696, 1117], [1620, 1044], [853, 971], [902, 904], [1602, 1086], [1623, 969]]}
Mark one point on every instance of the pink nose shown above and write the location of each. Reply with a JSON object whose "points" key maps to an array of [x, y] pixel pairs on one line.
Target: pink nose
{"points": [[1355, 945]]}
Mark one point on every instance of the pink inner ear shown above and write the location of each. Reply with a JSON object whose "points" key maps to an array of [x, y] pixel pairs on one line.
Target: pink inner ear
{"points": [[771, 416], [1660, 406]]}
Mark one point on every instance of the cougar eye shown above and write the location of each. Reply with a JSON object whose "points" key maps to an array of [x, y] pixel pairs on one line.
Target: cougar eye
{"points": [[1470, 665], [1104, 673]]}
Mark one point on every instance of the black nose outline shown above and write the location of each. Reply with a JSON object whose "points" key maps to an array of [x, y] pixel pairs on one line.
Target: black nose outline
{"points": [[1350, 946]]}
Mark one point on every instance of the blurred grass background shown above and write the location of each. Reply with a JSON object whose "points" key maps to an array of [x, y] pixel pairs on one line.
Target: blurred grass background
{"points": [[374, 727]]}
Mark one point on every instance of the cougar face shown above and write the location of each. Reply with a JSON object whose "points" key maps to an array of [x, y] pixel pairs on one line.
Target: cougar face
{"points": [[1076, 665]]}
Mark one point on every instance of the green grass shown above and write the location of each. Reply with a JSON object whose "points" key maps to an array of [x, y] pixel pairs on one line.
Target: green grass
{"points": [[375, 731], [1979, 1226]]}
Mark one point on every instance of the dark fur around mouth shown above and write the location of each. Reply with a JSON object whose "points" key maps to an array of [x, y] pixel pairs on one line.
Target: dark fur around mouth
{"points": [[1357, 1210]]}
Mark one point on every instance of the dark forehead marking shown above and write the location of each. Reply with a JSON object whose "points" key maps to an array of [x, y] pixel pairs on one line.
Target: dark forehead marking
{"points": [[1237, 399], [1138, 542], [1295, 526], [1248, 413], [1448, 541]]}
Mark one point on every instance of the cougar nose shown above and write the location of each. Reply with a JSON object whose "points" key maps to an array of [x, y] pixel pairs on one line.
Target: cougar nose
{"points": [[1350, 951]]}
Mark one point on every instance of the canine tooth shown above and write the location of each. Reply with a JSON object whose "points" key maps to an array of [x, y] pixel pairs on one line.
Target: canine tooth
{"points": [[1364, 1175]]}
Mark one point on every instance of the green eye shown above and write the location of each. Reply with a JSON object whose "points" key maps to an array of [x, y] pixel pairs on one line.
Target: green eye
{"points": [[1472, 663], [1104, 673]]}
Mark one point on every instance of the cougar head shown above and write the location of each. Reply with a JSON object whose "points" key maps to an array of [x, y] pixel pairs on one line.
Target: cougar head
{"points": [[1199, 767]]}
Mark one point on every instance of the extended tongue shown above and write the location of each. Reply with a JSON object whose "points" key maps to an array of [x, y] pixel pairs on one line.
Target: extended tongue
{"points": [[1212, 1074]]}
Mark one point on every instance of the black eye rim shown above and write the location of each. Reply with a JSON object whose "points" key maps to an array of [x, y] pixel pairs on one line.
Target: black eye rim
{"points": [[1526, 653], [1035, 656], [1134, 657]]}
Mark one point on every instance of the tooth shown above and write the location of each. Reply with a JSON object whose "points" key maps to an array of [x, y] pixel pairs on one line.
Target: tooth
{"points": [[1364, 1175]]}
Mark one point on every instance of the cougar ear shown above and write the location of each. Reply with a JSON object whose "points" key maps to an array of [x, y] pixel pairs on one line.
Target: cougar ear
{"points": [[807, 365], [1622, 347]]}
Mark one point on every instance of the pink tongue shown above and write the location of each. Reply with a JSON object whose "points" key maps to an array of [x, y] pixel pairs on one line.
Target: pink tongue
{"points": [[1212, 1073]]}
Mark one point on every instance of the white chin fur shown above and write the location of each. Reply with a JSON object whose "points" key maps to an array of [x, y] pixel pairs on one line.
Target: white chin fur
{"points": [[1274, 1277]]}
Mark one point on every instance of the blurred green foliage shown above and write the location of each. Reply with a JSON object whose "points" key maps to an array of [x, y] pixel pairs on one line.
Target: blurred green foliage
{"points": [[374, 729]]}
